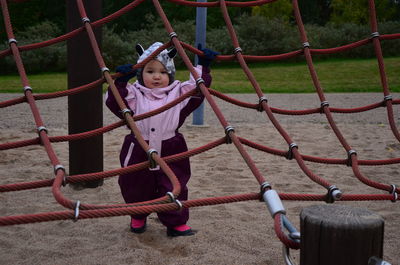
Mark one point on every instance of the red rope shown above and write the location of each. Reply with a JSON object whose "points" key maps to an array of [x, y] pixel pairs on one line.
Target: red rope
{"points": [[161, 204]]}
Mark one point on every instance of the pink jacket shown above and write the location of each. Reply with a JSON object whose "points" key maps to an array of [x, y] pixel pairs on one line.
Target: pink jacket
{"points": [[162, 126]]}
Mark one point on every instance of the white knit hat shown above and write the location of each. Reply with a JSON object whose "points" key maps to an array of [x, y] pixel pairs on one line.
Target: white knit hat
{"points": [[165, 57]]}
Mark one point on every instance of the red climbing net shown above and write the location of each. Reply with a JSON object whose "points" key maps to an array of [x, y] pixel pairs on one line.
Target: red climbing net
{"points": [[77, 210]]}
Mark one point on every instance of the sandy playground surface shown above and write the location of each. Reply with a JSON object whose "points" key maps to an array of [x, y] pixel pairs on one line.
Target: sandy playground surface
{"points": [[236, 233]]}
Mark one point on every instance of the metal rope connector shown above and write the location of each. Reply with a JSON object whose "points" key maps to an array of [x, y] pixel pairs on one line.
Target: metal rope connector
{"points": [[349, 153], [260, 101], [56, 168], [104, 69], [199, 81], [27, 88], [174, 200], [394, 193], [306, 44], [12, 41], [153, 163], [125, 111], [76, 213], [85, 19], [324, 104], [274, 203], [265, 185], [229, 129], [386, 99], [334, 194], [289, 154], [237, 49], [375, 34], [173, 35], [42, 128]]}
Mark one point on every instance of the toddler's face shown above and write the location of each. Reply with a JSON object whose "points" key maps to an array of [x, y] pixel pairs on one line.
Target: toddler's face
{"points": [[155, 75]]}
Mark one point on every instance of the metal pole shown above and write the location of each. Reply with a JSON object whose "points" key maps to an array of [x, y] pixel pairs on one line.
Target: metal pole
{"points": [[201, 28], [85, 110]]}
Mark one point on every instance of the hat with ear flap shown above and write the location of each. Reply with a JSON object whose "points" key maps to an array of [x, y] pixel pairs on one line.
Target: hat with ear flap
{"points": [[165, 57]]}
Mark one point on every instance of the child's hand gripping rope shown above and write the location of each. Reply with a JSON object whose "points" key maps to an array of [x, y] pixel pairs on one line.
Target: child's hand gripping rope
{"points": [[127, 72], [208, 57]]}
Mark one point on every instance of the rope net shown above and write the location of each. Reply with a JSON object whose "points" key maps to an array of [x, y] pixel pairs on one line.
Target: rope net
{"points": [[77, 210]]}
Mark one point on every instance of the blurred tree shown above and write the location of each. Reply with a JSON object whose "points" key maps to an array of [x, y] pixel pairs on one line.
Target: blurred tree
{"points": [[315, 11], [357, 11], [279, 9]]}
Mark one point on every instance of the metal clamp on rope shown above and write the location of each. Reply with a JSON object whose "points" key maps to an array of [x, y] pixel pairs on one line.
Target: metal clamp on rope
{"points": [[260, 101], [264, 187], [12, 41], [104, 69], [334, 194], [324, 104], [42, 128], [153, 163], [375, 34], [237, 49], [56, 168], [124, 111], [351, 152], [386, 98], [229, 129], [289, 154], [173, 199], [85, 19], [394, 193], [306, 44], [286, 256], [173, 35], [199, 81], [27, 88], [76, 215], [274, 203]]}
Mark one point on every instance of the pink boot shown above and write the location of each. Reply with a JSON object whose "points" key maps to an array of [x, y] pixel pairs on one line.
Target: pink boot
{"points": [[138, 226], [180, 230]]}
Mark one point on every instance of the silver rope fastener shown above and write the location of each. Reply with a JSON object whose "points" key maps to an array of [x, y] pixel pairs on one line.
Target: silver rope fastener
{"points": [[260, 101], [85, 19], [349, 153], [152, 162], [76, 213], [199, 81], [375, 34], [173, 35], [237, 49], [42, 128], [124, 111], [306, 44], [104, 69], [334, 194], [274, 203], [12, 40], [393, 192], [324, 104], [228, 129], [27, 88], [289, 154]]}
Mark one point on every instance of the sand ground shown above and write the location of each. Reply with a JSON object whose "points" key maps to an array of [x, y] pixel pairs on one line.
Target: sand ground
{"points": [[237, 233]]}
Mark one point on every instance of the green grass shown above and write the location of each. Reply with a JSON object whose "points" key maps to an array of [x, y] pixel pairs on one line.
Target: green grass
{"points": [[335, 75]]}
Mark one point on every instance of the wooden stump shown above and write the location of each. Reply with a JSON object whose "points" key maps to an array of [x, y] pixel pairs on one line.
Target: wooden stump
{"points": [[339, 235]]}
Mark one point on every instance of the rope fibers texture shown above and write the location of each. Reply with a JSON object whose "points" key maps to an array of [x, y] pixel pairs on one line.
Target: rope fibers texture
{"points": [[74, 210]]}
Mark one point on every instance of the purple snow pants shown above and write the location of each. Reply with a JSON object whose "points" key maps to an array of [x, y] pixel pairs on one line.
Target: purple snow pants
{"points": [[148, 184]]}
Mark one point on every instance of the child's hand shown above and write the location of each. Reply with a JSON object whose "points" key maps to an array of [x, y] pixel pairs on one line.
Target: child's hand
{"points": [[209, 56], [128, 72]]}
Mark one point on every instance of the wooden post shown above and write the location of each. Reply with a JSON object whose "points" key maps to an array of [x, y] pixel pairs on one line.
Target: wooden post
{"points": [[85, 110], [339, 235]]}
